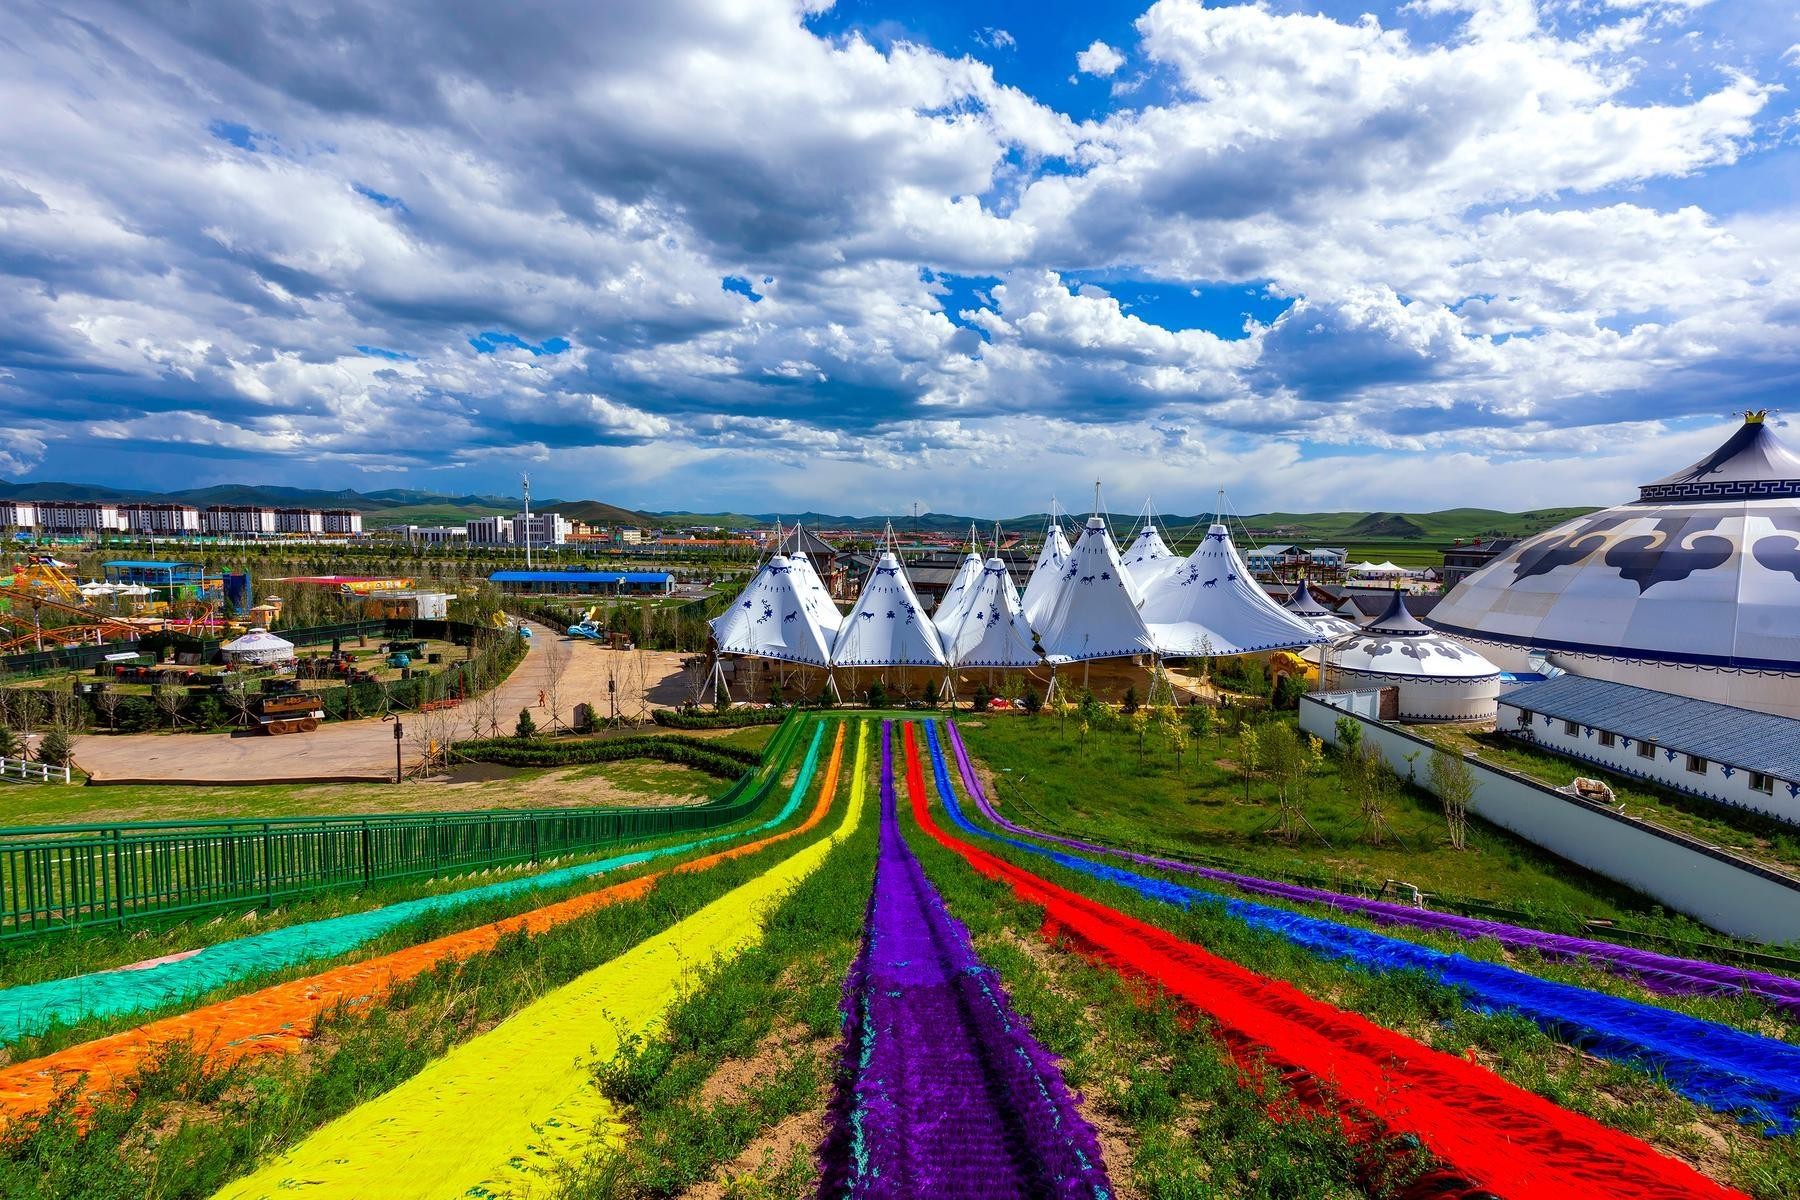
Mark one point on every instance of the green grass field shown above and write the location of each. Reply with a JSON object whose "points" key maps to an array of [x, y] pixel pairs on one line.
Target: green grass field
{"points": [[1041, 768]]}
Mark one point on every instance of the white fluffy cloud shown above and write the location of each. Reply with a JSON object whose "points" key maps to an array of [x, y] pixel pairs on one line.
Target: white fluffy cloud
{"points": [[663, 244], [1099, 59]]}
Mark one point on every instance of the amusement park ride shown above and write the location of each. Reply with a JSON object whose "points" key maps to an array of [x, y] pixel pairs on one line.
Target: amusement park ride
{"points": [[42, 585]]}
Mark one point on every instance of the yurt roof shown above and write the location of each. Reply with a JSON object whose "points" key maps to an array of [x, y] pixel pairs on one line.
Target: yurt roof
{"points": [[1211, 606], [991, 630], [887, 628], [1046, 575], [1095, 610], [818, 601], [770, 619], [1702, 570], [1149, 558]]}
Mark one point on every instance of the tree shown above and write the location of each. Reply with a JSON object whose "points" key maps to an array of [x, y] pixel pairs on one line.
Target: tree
{"points": [[1140, 725], [169, 700], [54, 747], [1452, 779], [1201, 721], [1248, 750], [1130, 704], [107, 700], [878, 697], [1288, 691], [1034, 703], [1283, 760], [982, 698], [1349, 734], [9, 742], [526, 726], [1371, 783]]}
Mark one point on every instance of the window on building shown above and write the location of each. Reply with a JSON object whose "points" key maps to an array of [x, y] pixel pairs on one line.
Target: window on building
{"points": [[1525, 715], [1762, 783], [1572, 729], [1646, 749], [1608, 739], [1696, 765]]}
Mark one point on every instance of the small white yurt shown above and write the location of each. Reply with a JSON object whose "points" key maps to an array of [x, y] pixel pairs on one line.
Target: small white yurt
{"points": [[258, 648], [1094, 612], [992, 631], [1046, 575], [887, 628], [771, 619], [1149, 558], [1438, 679], [1211, 607]]}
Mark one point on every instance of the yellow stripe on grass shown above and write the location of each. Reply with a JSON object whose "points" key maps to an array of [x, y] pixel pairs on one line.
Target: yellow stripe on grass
{"points": [[496, 1115]]}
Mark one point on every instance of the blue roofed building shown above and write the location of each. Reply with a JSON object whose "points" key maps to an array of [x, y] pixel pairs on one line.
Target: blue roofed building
{"points": [[1731, 755]]}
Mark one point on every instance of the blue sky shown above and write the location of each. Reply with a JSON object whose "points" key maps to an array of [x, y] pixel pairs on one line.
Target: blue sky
{"points": [[775, 256]]}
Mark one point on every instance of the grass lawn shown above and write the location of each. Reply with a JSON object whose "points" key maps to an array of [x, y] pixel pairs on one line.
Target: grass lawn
{"points": [[626, 783], [1043, 775], [1744, 833]]}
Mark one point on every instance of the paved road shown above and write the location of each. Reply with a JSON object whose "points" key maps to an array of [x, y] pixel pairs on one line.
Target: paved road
{"points": [[353, 750]]}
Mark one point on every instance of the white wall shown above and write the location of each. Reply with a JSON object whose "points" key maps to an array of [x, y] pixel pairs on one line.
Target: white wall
{"points": [[1428, 698], [1726, 893], [1668, 766]]}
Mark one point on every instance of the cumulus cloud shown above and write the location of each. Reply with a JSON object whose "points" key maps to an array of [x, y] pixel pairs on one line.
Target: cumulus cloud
{"points": [[661, 245], [1099, 59]]}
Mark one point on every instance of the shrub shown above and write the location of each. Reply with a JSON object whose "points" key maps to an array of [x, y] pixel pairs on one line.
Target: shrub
{"points": [[208, 713], [878, 697], [1034, 703], [1131, 701], [982, 698], [526, 726], [9, 742], [54, 748], [726, 762], [737, 718], [1289, 691], [136, 715]]}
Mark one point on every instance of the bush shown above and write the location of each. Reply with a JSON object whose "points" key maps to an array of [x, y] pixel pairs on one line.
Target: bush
{"points": [[1289, 690], [54, 748], [726, 762], [135, 715], [737, 718], [208, 713], [878, 697], [9, 742], [1034, 703], [526, 726], [1131, 701], [983, 698]]}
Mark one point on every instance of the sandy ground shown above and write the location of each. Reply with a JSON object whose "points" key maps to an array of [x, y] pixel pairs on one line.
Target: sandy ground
{"points": [[557, 673]]}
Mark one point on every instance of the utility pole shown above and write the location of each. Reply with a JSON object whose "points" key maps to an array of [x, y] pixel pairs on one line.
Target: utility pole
{"points": [[915, 520], [526, 480]]}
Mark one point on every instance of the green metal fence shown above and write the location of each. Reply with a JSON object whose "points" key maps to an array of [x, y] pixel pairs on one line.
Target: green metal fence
{"points": [[66, 876]]}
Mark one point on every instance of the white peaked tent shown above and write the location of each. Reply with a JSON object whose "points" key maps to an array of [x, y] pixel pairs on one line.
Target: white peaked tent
{"points": [[958, 595], [992, 631], [1210, 606], [1149, 558], [770, 619], [1046, 576], [887, 627], [1094, 612], [818, 601]]}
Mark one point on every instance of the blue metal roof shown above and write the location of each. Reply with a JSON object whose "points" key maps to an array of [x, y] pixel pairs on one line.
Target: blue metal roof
{"points": [[608, 577], [1737, 737]]}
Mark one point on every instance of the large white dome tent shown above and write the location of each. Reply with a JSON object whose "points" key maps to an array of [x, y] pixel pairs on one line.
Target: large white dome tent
{"points": [[992, 630], [1437, 679], [1210, 606], [1047, 573], [1094, 613], [961, 591], [887, 627], [1149, 557], [1693, 588]]}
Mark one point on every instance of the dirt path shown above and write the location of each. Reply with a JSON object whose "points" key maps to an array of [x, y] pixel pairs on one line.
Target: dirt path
{"points": [[557, 672]]}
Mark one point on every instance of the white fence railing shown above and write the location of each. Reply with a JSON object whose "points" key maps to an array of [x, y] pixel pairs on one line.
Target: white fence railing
{"points": [[24, 768]]}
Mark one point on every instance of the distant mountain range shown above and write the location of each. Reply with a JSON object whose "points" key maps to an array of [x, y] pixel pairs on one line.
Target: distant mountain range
{"points": [[403, 506]]}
